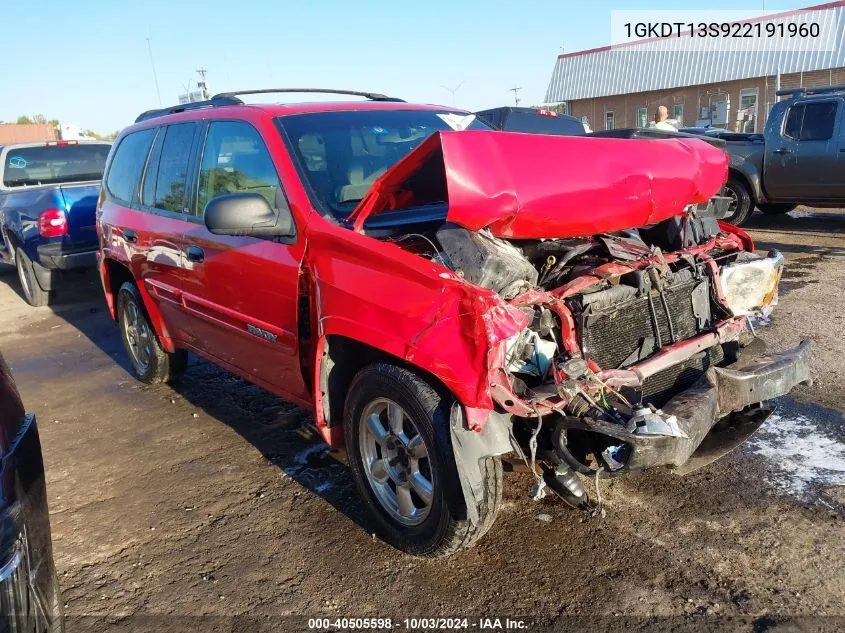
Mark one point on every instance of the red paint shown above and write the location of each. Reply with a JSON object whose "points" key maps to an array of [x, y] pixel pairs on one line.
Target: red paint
{"points": [[378, 294], [537, 186]]}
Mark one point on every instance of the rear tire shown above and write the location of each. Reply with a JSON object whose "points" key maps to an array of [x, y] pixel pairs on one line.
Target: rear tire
{"points": [[150, 362], [398, 441], [741, 205], [776, 209], [32, 292]]}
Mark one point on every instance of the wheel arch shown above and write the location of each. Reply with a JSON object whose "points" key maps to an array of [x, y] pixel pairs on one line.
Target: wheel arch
{"points": [[338, 359], [751, 183], [114, 274]]}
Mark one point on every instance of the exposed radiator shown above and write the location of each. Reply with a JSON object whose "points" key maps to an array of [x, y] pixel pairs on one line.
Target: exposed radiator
{"points": [[624, 333]]}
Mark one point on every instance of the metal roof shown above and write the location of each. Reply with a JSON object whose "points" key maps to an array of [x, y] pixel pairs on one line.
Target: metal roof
{"points": [[635, 67]]}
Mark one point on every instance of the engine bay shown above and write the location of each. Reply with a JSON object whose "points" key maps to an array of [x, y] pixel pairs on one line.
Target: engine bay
{"points": [[618, 325]]}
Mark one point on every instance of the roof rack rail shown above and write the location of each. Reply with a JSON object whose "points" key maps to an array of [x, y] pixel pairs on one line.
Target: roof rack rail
{"points": [[216, 100], [372, 96], [797, 92]]}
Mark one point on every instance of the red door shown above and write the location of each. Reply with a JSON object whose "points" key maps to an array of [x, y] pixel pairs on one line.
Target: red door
{"points": [[242, 292]]}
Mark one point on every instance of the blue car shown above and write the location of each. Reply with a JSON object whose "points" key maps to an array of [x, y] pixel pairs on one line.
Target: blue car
{"points": [[29, 591], [48, 198]]}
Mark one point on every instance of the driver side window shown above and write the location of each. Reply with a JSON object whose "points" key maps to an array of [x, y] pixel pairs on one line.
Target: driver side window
{"points": [[235, 159]]}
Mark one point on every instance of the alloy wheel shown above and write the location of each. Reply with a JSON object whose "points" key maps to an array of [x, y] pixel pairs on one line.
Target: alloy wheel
{"points": [[138, 335], [396, 462], [25, 277]]}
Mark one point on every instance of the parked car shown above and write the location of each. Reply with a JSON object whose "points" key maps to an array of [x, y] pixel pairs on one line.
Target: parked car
{"points": [[48, 193], [532, 121], [441, 294], [29, 589], [799, 159]]}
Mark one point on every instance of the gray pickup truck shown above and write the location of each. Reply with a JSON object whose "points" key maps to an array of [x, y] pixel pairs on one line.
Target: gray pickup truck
{"points": [[799, 159]]}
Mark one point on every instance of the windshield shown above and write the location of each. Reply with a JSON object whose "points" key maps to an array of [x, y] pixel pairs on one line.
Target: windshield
{"points": [[342, 153], [54, 164]]}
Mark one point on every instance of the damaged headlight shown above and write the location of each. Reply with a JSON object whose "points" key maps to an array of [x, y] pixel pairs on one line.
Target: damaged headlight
{"points": [[750, 284]]}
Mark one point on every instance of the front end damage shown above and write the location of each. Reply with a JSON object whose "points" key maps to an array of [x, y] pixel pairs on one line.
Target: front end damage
{"points": [[625, 347]]}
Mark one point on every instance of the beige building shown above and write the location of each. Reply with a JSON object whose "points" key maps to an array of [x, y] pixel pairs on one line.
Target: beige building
{"points": [[27, 133], [616, 87]]}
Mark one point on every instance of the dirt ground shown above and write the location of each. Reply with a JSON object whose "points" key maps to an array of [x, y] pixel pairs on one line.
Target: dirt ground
{"points": [[212, 499]]}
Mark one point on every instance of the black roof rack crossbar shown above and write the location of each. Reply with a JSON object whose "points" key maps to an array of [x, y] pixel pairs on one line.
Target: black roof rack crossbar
{"points": [[372, 96], [216, 100], [797, 92]]}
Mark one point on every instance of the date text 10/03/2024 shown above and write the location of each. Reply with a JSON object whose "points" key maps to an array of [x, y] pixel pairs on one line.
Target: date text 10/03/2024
{"points": [[418, 624]]}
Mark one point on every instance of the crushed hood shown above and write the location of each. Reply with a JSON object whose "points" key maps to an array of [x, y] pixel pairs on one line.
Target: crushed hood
{"points": [[538, 186]]}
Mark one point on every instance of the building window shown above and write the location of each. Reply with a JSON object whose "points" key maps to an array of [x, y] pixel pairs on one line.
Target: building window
{"points": [[642, 117], [747, 114], [678, 113], [608, 120]]}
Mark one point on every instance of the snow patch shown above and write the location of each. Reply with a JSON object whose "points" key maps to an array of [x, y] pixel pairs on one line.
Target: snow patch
{"points": [[804, 457]]}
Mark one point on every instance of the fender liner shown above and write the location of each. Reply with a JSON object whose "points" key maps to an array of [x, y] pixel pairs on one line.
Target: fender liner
{"points": [[471, 446]]}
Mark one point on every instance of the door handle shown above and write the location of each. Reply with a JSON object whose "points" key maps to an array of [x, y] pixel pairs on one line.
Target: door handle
{"points": [[195, 254], [782, 150], [130, 236]]}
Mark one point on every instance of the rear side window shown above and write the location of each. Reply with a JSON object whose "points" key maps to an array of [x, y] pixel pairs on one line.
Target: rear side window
{"points": [[811, 121], [54, 164], [125, 170], [235, 159], [172, 177], [819, 119]]}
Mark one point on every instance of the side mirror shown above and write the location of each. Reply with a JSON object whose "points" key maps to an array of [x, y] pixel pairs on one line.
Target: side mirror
{"points": [[248, 214]]}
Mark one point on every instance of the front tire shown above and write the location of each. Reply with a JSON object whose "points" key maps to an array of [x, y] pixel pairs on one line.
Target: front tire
{"points": [[741, 205], [150, 362], [400, 451], [32, 292], [776, 209]]}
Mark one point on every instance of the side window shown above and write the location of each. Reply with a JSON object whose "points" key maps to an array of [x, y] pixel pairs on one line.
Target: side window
{"points": [[125, 169], [819, 121], [792, 127], [235, 159], [172, 177]]}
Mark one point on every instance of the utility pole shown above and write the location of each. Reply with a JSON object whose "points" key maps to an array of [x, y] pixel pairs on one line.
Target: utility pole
{"points": [[453, 90], [202, 84], [515, 90], [155, 75]]}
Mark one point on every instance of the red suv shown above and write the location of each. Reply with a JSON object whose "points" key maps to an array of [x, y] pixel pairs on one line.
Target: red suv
{"points": [[441, 294]]}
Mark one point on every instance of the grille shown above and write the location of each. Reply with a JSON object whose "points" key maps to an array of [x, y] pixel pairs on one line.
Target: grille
{"points": [[623, 334]]}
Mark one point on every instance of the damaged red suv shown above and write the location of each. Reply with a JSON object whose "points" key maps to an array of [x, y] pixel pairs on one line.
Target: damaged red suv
{"points": [[441, 294]]}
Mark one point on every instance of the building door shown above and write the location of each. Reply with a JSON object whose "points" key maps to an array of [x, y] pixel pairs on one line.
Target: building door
{"points": [[747, 114]]}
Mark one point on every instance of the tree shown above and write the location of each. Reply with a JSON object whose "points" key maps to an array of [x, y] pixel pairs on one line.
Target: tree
{"points": [[24, 120]]}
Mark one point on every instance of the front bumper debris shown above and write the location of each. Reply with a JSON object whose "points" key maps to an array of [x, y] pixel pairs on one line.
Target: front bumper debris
{"points": [[716, 414]]}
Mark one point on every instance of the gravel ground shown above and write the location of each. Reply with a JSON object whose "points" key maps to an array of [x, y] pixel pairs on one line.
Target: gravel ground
{"points": [[183, 507]]}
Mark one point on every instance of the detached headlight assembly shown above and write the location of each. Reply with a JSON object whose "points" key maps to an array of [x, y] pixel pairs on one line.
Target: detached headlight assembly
{"points": [[750, 284]]}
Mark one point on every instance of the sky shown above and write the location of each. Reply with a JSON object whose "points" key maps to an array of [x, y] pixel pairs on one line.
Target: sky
{"points": [[88, 63]]}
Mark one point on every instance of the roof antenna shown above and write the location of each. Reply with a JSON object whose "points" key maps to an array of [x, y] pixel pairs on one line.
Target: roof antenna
{"points": [[515, 90]]}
